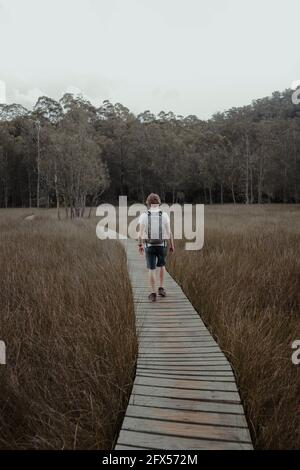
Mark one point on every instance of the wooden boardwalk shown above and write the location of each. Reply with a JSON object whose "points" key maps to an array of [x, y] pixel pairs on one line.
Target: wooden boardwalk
{"points": [[184, 395]]}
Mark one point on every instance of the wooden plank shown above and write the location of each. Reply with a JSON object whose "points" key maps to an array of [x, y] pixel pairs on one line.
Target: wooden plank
{"points": [[180, 315], [164, 305], [205, 344], [150, 327], [163, 329], [184, 375], [183, 404], [156, 441], [186, 416], [160, 309], [177, 300], [217, 395], [172, 302], [192, 334], [181, 361], [127, 447], [167, 323], [160, 333], [156, 312], [181, 357], [162, 338], [158, 349], [202, 431], [186, 384], [213, 368], [175, 352], [199, 350], [166, 315], [184, 362], [200, 343], [169, 343], [164, 318], [172, 359], [197, 371]]}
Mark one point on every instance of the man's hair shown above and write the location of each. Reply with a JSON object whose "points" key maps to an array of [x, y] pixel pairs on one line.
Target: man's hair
{"points": [[153, 199]]}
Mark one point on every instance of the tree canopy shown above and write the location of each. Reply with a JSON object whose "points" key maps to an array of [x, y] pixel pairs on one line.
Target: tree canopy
{"points": [[72, 153]]}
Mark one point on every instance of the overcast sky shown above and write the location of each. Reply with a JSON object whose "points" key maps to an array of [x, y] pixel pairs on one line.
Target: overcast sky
{"points": [[188, 56]]}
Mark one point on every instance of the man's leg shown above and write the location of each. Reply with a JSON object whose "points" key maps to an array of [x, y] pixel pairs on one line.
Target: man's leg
{"points": [[151, 265], [152, 280], [161, 267], [161, 276]]}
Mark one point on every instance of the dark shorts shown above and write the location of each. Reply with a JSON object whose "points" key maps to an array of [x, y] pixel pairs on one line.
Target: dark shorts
{"points": [[155, 256]]}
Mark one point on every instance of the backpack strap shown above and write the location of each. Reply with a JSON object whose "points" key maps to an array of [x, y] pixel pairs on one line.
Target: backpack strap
{"points": [[149, 225], [160, 225]]}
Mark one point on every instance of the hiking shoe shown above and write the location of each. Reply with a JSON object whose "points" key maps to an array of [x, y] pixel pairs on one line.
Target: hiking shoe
{"points": [[162, 292], [152, 297]]}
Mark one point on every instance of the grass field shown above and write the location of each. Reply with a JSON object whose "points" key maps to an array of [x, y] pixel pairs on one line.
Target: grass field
{"points": [[68, 323], [246, 284], [66, 316]]}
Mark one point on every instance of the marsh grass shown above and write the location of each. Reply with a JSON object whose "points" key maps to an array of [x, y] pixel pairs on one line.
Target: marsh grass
{"points": [[66, 316], [246, 285]]}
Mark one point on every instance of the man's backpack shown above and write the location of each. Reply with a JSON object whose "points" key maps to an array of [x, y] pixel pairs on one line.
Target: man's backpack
{"points": [[155, 231]]}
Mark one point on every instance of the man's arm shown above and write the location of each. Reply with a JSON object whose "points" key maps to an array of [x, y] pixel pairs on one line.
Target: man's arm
{"points": [[141, 237]]}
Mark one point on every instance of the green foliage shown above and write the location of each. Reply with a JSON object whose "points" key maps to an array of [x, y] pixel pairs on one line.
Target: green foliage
{"points": [[248, 154]]}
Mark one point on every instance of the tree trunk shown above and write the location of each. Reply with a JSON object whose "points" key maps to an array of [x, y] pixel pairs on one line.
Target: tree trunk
{"points": [[29, 190], [210, 195], [247, 172], [6, 196], [83, 204], [260, 181], [284, 196], [56, 193], [296, 186], [205, 196], [232, 193], [38, 167], [141, 184], [93, 202], [251, 186]]}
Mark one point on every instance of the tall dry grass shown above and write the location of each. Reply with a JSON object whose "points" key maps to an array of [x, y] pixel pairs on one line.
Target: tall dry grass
{"points": [[246, 285], [66, 315]]}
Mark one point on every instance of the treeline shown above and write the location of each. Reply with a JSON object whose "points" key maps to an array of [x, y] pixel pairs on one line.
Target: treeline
{"points": [[72, 154]]}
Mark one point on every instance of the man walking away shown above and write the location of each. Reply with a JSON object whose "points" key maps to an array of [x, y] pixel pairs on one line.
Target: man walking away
{"points": [[154, 236]]}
